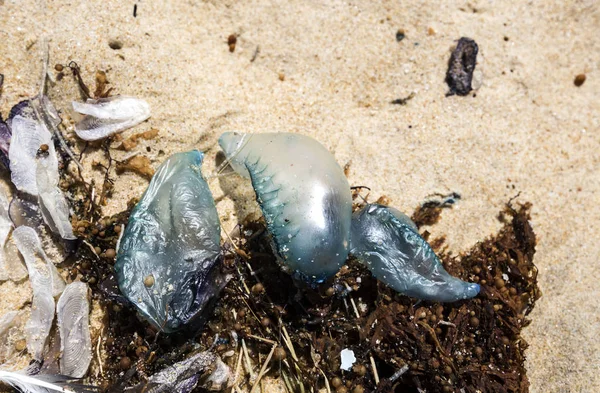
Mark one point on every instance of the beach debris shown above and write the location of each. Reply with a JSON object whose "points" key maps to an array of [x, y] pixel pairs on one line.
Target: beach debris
{"points": [[231, 41], [138, 164], [304, 196], [34, 164], [173, 235], [218, 379], [132, 142], [52, 201], [28, 137], [180, 377], [5, 135], [108, 116], [46, 284], [579, 80], [12, 336], [461, 66], [42, 383], [10, 266], [73, 323], [348, 359], [403, 101], [400, 35], [389, 244]]}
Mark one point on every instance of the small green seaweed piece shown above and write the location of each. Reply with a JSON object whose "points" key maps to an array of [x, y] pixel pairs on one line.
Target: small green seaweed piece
{"points": [[167, 260], [388, 243]]}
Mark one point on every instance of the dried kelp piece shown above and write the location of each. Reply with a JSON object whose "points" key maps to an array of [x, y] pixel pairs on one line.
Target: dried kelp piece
{"points": [[73, 323], [138, 164], [167, 261], [387, 242], [10, 265], [131, 142], [303, 194], [461, 66], [46, 283], [108, 116]]}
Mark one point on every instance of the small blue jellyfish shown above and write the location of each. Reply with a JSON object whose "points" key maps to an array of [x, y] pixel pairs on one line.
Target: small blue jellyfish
{"points": [[388, 243], [304, 196], [167, 260]]}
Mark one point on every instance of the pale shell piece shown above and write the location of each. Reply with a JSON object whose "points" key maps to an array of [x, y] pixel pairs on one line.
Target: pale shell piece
{"points": [[11, 267], [108, 116], [6, 321], [27, 137], [45, 284], [52, 201], [73, 323], [303, 194]]}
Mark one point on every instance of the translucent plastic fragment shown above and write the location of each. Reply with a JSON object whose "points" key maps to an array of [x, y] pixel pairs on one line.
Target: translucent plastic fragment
{"points": [[72, 312], [108, 116], [46, 283], [387, 242], [303, 194], [167, 257]]}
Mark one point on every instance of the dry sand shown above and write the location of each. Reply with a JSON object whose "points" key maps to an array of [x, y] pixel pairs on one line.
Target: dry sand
{"points": [[528, 130]]}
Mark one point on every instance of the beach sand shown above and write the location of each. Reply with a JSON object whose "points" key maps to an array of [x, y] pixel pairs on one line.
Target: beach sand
{"points": [[329, 70]]}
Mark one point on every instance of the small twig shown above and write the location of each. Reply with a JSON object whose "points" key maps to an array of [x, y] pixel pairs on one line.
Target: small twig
{"points": [[262, 339], [91, 248], [255, 55], [286, 380], [247, 359], [263, 370], [119, 239], [288, 341], [238, 367], [326, 381], [446, 323], [375, 374], [98, 354]]}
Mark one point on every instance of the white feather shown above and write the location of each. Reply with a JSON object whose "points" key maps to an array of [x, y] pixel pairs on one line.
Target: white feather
{"points": [[31, 384]]}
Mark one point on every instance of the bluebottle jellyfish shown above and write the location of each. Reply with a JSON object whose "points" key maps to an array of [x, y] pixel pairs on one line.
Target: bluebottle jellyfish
{"points": [[388, 243], [304, 196], [167, 262]]}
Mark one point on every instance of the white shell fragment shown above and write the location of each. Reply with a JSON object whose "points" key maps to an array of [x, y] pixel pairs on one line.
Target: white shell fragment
{"points": [[73, 323], [46, 283], [10, 265], [348, 359], [108, 116]]}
